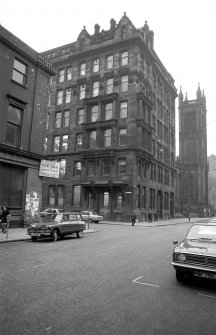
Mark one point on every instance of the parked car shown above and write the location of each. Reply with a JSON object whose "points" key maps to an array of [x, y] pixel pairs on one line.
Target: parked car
{"points": [[50, 211], [58, 225], [91, 216], [196, 254]]}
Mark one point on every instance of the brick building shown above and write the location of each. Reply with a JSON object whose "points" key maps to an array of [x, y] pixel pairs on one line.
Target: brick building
{"points": [[192, 166], [112, 125], [23, 95]]}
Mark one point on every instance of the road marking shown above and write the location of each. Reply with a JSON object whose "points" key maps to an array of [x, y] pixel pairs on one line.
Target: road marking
{"points": [[207, 296], [147, 284]]}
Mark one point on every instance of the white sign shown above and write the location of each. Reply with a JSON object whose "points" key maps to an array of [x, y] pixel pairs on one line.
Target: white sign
{"points": [[49, 169]]}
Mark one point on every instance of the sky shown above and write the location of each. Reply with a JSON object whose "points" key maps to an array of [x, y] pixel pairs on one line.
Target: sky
{"points": [[184, 36]]}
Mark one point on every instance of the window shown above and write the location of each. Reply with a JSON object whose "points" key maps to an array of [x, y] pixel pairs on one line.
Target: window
{"points": [[124, 83], [92, 139], [95, 89], [123, 136], [19, 72], [62, 167], [109, 86], [68, 95], [79, 141], [59, 97], [124, 58], [96, 65], [138, 197], [76, 195], [106, 199], [91, 168], [82, 92], [121, 166], [56, 144], [77, 168], [61, 76], [123, 110], [64, 142], [108, 111], [66, 118], [119, 199], [144, 197], [107, 138], [14, 124], [94, 113], [83, 69], [109, 62], [52, 195], [58, 119], [80, 116], [69, 73], [60, 195], [106, 167]]}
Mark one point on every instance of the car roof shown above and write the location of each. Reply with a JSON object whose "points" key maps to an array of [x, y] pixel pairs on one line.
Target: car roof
{"points": [[70, 213]]}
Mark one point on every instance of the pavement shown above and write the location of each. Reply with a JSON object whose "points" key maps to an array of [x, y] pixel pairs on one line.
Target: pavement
{"points": [[19, 234]]}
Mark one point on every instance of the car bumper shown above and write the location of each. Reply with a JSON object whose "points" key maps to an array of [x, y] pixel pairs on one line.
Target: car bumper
{"points": [[193, 269], [39, 234]]}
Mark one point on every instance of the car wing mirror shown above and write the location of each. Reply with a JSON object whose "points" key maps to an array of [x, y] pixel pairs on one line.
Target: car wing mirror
{"points": [[175, 242]]}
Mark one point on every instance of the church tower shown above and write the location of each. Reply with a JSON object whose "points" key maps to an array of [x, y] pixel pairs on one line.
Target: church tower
{"points": [[193, 173]]}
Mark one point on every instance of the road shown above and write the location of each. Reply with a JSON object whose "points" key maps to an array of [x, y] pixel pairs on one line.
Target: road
{"points": [[116, 281]]}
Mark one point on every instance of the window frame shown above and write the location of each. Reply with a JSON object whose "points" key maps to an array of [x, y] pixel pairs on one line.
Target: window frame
{"points": [[96, 65], [17, 71]]}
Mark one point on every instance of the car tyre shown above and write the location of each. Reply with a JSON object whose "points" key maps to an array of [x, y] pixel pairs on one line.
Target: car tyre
{"points": [[180, 276], [54, 235], [33, 238], [79, 234], [96, 221]]}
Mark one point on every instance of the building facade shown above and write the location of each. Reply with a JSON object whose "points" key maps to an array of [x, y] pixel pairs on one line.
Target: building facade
{"points": [[192, 194], [112, 125], [23, 95]]}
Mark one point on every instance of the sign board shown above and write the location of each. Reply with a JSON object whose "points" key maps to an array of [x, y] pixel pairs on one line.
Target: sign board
{"points": [[49, 169]]}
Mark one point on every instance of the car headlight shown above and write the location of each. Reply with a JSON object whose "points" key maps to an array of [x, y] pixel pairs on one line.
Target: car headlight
{"points": [[181, 257]]}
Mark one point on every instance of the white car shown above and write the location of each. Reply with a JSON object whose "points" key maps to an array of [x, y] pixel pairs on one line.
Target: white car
{"points": [[91, 216], [50, 211]]}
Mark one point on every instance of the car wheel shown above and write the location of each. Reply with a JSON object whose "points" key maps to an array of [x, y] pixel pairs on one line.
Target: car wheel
{"points": [[80, 234], [180, 276], [96, 221], [54, 235], [33, 238]]}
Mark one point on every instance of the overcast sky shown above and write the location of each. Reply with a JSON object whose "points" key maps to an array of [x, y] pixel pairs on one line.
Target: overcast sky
{"points": [[185, 35]]}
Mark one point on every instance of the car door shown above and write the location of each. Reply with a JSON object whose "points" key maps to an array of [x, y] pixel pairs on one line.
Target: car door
{"points": [[65, 224]]}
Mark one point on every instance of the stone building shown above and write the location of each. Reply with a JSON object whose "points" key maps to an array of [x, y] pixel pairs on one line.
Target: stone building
{"points": [[112, 125], [192, 166], [24, 79]]}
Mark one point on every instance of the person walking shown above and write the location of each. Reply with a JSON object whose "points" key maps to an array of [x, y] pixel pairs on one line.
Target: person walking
{"points": [[133, 218], [4, 219], [149, 217]]}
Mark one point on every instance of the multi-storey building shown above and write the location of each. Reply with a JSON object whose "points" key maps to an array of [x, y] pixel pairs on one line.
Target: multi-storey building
{"points": [[24, 80], [112, 124], [192, 193]]}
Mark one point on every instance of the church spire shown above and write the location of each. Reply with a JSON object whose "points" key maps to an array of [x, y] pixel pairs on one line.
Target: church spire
{"points": [[199, 92]]}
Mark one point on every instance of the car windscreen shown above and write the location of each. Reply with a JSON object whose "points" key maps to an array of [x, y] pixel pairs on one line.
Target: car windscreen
{"points": [[202, 232], [53, 217]]}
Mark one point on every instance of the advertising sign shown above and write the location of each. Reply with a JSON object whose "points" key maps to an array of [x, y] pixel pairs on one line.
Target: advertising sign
{"points": [[49, 169]]}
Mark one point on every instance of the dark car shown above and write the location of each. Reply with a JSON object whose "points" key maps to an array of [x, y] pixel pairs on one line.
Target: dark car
{"points": [[196, 254], [58, 225]]}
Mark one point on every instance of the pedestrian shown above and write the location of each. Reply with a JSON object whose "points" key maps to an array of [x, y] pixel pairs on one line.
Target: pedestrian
{"points": [[133, 218], [4, 219], [150, 217], [156, 216]]}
